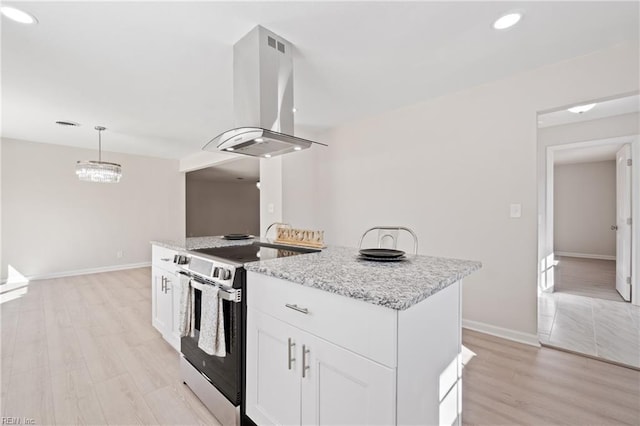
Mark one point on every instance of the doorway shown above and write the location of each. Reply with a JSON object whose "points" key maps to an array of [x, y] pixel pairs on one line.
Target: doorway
{"points": [[587, 245], [584, 221]]}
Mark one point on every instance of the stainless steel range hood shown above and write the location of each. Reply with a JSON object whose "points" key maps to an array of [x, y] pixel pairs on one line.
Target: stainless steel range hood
{"points": [[263, 99]]}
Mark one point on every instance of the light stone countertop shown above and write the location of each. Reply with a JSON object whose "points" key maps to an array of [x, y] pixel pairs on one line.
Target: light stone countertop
{"points": [[396, 285], [339, 270]]}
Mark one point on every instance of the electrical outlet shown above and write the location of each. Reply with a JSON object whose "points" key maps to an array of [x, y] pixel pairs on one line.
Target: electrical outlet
{"points": [[119, 254], [515, 210]]}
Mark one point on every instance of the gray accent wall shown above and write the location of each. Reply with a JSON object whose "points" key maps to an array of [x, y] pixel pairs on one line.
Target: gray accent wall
{"points": [[219, 208]]}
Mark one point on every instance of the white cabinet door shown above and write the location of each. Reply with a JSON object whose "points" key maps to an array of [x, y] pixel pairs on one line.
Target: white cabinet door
{"points": [[165, 291], [162, 303], [343, 388], [273, 370], [173, 290]]}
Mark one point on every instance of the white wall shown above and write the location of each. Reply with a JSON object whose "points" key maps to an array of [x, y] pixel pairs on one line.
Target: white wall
{"points": [[54, 223], [271, 189], [585, 208], [219, 208], [449, 168]]}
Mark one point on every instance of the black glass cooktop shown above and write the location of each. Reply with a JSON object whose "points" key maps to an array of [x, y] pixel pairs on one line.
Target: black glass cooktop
{"points": [[253, 252]]}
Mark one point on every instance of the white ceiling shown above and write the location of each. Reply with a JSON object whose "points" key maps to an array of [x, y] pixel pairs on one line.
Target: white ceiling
{"points": [[244, 169], [586, 155], [158, 75], [610, 108]]}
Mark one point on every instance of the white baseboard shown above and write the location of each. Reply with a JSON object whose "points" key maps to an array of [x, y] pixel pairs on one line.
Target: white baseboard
{"points": [[585, 255], [505, 333], [85, 271]]}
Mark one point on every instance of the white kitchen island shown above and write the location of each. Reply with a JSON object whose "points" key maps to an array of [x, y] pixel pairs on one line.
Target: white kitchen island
{"points": [[332, 339]]}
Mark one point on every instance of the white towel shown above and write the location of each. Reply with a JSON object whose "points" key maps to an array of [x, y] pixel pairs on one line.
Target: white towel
{"points": [[211, 338], [186, 306]]}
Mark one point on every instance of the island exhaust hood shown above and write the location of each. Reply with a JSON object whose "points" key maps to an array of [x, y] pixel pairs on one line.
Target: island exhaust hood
{"points": [[263, 99]]}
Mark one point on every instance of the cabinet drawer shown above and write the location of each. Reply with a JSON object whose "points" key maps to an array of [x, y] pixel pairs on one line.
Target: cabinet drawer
{"points": [[366, 329], [163, 258]]}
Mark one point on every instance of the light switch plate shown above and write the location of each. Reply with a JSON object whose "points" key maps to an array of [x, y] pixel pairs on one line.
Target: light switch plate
{"points": [[515, 210]]}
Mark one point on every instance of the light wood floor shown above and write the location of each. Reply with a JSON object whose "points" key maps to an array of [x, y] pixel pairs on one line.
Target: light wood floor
{"points": [[508, 383], [587, 277], [81, 350]]}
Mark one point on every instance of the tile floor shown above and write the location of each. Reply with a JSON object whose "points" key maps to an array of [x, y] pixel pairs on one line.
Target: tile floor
{"points": [[596, 327]]}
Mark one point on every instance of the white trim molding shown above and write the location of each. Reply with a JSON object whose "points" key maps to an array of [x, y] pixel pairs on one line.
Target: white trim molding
{"points": [[85, 271], [585, 255], [505, 333]]}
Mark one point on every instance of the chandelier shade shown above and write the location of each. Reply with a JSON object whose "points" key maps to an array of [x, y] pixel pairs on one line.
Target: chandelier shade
{"points": [[98, 171]]}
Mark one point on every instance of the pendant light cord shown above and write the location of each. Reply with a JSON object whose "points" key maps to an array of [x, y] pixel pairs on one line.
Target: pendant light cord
{"points": [[99, 145], [100, 129]]}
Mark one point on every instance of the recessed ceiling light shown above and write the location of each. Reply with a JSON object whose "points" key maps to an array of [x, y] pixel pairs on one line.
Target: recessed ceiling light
{"points": [[259, 140], [507, 21], [267, 156], [294, 110], [297, 148], [581, 108], [67, 123], [18, 15], [230, 149]]}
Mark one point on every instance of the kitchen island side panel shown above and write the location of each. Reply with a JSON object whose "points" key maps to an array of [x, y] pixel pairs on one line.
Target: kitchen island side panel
{"points": [[428, 360]]}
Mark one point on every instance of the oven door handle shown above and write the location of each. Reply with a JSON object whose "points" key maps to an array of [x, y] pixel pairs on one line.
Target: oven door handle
{"points": [[232, 295]]}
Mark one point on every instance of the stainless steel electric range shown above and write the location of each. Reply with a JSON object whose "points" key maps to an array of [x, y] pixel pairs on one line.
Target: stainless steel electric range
{"points": [[219, 381]]}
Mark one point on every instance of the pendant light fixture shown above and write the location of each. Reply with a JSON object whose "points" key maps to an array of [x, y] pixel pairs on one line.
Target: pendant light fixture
{"points": [[99, 171]]}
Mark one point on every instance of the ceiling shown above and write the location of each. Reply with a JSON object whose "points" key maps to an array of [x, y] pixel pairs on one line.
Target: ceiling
{"points": [[158, 75], [586, 155], [604, 109], [240, 170]]}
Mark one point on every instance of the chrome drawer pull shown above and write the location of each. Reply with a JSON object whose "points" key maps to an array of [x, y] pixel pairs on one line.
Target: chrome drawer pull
{"points": [[305, 367], [290, 358], [165, 259], [297, 308]]}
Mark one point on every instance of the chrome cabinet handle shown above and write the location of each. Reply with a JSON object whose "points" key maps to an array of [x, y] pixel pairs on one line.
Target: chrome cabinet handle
{"points": [[166, 285], [163, 284], [165, 259], [305, 367], [297, 308], [290, 358]]}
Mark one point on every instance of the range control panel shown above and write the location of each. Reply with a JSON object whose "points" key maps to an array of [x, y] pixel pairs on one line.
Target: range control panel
{"points": [[207, 268]]}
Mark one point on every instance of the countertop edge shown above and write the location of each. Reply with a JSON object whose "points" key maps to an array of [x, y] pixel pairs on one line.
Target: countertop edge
{"points": [[399, 304]]}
